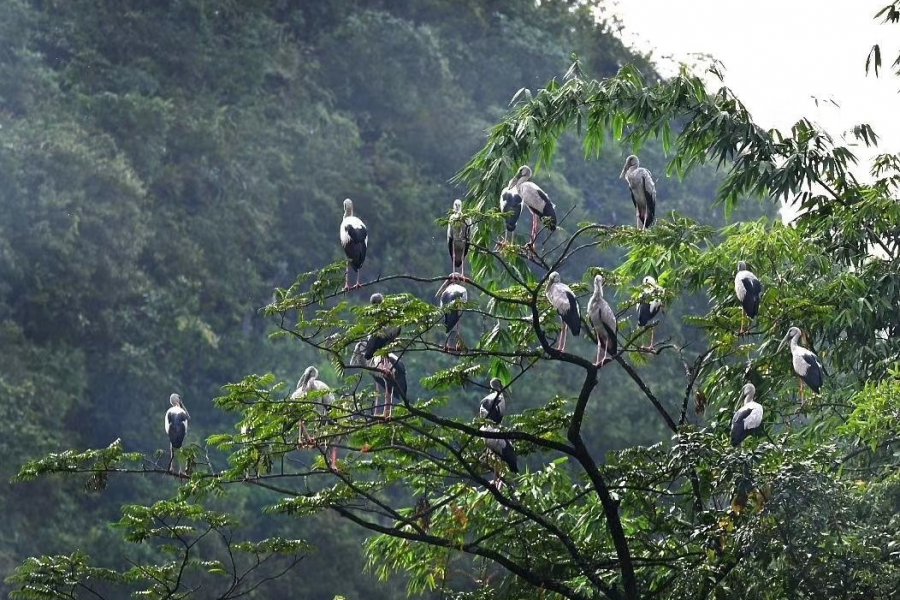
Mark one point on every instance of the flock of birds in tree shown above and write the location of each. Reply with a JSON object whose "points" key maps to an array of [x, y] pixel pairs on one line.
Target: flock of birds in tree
{"points": [[389, 372]]}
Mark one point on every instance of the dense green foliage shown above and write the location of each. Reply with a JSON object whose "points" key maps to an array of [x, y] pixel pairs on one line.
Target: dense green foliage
{"points": [[170, 164], [164, 166]]}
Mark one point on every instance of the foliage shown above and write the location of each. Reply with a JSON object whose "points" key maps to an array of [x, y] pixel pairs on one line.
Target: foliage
{"points": [[626, 487]]}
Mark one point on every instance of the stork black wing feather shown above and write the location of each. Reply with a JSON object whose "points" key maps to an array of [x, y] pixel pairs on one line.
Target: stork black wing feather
{"points": [[572, 318], [738, 433], [814, 376]]}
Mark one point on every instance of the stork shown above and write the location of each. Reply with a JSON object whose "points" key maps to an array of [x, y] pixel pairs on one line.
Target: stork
{"points": [[563, 300], [383, 336], [806, 365], [511, 207], [650, 304], [603, 322], [747, 419], [493, 406], [310, 382], [748, 290], [536, 200], [354, 241], [458, 237], [390, 377], [499, 450], [450, 294], [177, 419], [643, 191]]}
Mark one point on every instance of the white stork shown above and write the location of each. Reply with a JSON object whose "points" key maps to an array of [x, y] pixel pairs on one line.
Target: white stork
{"points": [[493, 406], [458, 238], [499, 449], [563, 300], [310, 382], [537, 201], [748, 418], [748, 290], [450, 293], [643, 191], [806, 364], [603, 322], [176, 424], [650, 304], [354, 241], [511, 206]]}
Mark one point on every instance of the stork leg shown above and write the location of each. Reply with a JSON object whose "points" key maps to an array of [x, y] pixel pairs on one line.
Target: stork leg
{"points": [[597, 363], [347, 277], [358, 285], [802, 399], [453, 263], [333, 461], [562, 338], [637, 219], [171, 456]]}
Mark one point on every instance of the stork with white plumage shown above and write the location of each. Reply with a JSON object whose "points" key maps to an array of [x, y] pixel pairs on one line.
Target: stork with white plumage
{"points": [[176, 424], [450, 294], [643, 191], [310, 383], [459, 232], [748, 417], [354, 241], [748, 290], [536, 199], [603, 322], [563, 300], [806, 364]]}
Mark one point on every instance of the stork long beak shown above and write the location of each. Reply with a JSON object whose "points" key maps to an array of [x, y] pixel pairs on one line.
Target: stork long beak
{"points": [[442, 288], [783, 342], [622, 175]]}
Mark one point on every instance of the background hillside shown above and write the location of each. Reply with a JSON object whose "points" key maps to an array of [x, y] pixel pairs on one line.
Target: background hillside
{"points": [[165, 165]]}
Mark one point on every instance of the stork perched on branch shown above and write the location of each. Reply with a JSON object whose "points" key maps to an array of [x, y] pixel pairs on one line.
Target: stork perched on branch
{"points": [[354, 241], [748, 290], [650, 304], [390, 377], [603, 322], [748, 417], [450, 293], [308, 383], [537, 201], [177, 419], [383, 336], [511, 207], [643, 191], [806, 364], [563, 300], [493, 406], [459, 232], [499, 451]]}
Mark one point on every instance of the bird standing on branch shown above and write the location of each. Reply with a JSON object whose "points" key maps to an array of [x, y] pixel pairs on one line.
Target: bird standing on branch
{"points": [[458, 237], [643, 191], [603, 322], [537, 201], [354, 241], [748, 290], [563, 300], [177, 419]]}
